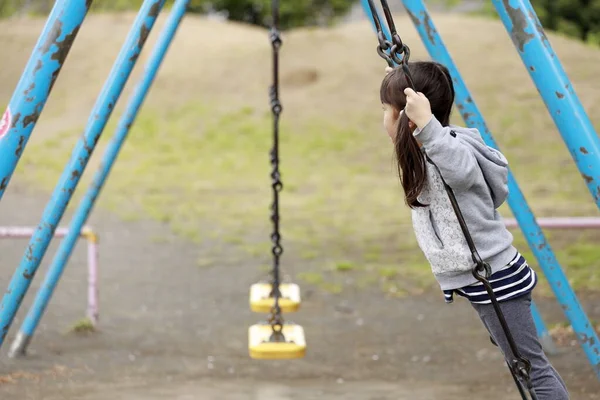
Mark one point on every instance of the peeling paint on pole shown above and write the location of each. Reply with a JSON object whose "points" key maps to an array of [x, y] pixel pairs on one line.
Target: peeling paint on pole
{"points": [[37, 80], [81, 154], [555, 88]]}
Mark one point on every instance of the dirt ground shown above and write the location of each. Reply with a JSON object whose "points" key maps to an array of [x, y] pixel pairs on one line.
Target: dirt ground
{"points": [[172, 330]]}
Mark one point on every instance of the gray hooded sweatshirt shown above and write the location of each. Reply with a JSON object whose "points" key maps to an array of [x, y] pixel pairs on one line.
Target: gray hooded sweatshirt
{"points": [[478, 176]]}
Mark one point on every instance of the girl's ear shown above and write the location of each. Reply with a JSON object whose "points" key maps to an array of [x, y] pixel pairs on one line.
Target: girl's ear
{"points": [[411, 125]]}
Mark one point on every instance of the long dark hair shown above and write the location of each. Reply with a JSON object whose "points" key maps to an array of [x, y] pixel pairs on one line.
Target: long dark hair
{"points": [[434, 81]]}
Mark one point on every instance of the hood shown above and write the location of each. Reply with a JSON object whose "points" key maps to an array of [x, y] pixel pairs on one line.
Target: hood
{"points": [[492, 162]]}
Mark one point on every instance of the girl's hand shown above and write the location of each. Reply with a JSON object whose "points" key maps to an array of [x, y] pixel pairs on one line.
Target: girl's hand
{"points": [[388, 70], [417, 109]]}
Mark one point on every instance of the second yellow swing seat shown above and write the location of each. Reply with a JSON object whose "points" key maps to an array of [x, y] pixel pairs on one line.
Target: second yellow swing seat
{"points": [[261, 348], [261, 300]]}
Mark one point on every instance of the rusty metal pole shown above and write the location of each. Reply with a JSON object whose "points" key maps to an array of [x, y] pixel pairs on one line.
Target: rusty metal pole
{"points": [[75, 167], [546, 71], [37, 80], [551, 80], [56, 268]]}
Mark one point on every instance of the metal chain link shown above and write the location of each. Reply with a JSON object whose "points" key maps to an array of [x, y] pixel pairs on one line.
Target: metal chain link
{"points": [[276, 320], [399, 53]]}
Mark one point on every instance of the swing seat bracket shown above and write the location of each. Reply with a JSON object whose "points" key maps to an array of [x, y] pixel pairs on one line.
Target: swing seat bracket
{"points": [[262, 300], [264, 345]]}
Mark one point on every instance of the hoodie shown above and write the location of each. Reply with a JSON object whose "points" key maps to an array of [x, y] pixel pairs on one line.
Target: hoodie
{"points": [[478, 175]]}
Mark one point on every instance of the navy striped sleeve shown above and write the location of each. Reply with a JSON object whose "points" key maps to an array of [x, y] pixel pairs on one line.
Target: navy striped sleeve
{"points": [[513, 281]]}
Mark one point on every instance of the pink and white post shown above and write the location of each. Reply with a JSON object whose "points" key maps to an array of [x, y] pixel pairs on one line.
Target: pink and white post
{"points": [[22, 232]]}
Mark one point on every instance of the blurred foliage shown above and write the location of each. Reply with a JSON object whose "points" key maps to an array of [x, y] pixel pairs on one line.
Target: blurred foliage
{"points": [[574, 18], [257, 12]]}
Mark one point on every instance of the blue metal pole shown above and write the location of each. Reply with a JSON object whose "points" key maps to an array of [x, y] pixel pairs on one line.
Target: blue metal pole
{"points": [[23, 338], [546, 71], [82, 152], [35, 85], [474, 119], [543, 334], [516, 200], [369, 14]]}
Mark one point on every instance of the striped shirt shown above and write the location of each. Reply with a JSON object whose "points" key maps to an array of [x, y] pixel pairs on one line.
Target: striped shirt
{"points": [[516, 279]]}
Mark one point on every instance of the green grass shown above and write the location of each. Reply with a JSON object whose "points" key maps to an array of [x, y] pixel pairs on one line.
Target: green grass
{"points": [[345, 266], [197, 156], [206, 176], [576, 252], [83, 326], [313, 278]]}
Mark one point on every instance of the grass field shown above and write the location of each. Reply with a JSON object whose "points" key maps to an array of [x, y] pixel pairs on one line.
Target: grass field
{"points": [[197, 157]]}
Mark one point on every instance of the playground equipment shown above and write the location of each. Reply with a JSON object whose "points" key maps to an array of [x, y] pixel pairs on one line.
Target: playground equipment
{"points": [[21, 342], [276, 339], [13, 143], [561, 223], [37, 80], [273, 339], [93, 242], [264, 342], [262, 301]]}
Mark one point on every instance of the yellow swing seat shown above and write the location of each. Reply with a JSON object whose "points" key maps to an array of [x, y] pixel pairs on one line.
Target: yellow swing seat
{"points": [[262, 348], [261, 300]]}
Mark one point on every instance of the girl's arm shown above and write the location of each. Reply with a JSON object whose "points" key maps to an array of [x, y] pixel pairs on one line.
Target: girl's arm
{"points": [[454, 159]]}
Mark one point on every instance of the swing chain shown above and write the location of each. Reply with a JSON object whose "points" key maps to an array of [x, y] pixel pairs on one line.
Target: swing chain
{"points": [[519, 366], [276, 322], [275, 319], [399, 53], [384, 45], [399, 49]]}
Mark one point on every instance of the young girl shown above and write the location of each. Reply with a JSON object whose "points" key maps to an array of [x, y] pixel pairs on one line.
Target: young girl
{"points": [[419, 124]]}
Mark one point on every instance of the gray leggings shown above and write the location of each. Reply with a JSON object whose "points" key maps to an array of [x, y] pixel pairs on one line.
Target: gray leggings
{"points": [[546, 381]]}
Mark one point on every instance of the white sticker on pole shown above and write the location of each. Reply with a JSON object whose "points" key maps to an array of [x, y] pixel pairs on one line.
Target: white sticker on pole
{"points": [[5, 122]]}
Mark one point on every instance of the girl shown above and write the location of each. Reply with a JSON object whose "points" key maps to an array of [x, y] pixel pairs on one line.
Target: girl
{"points": [[419, 124]]}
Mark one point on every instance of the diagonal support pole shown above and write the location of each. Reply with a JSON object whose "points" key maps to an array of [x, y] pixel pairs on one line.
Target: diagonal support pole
{"points": [[551, 80], [546, 71], [75, 167], [36, 311], [37, 80]]}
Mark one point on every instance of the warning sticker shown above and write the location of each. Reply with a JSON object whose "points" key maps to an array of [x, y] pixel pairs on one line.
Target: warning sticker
{"points": [[5, 122]]}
